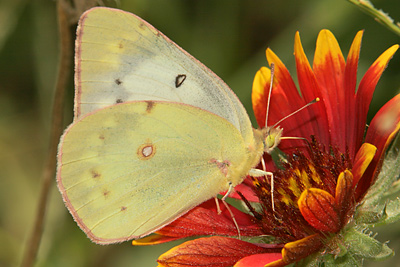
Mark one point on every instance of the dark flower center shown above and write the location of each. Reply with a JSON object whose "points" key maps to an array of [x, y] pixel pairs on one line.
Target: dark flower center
{"points": [[316, 167]]}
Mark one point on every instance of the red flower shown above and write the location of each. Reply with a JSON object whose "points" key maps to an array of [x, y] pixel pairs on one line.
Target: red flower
{"points": [[322, 180]]}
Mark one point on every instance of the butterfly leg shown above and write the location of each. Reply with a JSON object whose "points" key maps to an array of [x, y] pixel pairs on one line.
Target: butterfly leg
{"points": [[217, 204], [261, 173], [230, 190], [270, 174]]}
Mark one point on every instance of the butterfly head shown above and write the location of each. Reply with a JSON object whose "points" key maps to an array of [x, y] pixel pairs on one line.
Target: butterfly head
{"points": [[272, 138]]}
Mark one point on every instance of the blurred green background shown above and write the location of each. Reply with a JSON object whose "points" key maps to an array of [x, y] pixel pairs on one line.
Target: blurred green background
{"points": [[228, 36]]}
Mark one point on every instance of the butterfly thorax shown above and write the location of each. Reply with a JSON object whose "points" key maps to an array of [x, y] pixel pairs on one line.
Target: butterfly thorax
{"points": [[254, 150]]}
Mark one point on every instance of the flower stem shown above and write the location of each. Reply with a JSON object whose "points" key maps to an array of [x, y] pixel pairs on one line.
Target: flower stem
{"points": [[378, 15], [64, 69]]}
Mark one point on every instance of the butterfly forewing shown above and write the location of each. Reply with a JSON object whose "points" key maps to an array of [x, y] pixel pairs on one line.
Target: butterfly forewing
{"points": [[120, 58]]}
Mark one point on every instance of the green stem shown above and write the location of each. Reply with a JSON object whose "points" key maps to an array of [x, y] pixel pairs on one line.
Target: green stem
{"points": [[65, 66], [378, 15]]}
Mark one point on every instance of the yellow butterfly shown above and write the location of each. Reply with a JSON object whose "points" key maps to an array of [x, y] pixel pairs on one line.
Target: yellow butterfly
{"points": [[155, 132]]}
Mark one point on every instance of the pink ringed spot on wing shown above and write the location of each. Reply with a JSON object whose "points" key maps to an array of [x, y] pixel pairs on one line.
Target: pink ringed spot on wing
{"points": [[222, 165], [146, 151], [123, 208]]}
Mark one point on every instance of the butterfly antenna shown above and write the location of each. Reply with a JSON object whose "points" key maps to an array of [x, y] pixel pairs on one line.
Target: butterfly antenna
{"points": [[294, 112], [269, 93], [230, 190]]}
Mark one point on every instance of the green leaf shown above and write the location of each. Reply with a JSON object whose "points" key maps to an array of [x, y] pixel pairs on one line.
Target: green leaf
{"points": [[370, 215], [380, 215], [362, 245], [387, 184], [331, 260], [346, 260], [392, 211]]}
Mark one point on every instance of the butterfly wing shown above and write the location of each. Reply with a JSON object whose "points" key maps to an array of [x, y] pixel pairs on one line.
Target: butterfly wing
{"points": [[126, 170], [120, 57]]}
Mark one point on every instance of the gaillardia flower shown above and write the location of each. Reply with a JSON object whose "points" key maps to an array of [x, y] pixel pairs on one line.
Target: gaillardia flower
{"points": [[326, 191]]}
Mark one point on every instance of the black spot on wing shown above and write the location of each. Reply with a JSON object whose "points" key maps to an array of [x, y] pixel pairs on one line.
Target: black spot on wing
{"points": [[118, 101], [118, 81], [179, 79]]}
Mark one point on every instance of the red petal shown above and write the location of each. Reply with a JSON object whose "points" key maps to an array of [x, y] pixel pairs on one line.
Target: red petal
{"points": [[209, 251], [367, 88], [344, 192], [259, 260], [316, 114], [259, 94], [318, 209], [285, 99], [329, 66], [362, 160], [350, 83], [297, 250], [246, 188], [205, 220], [153, 239], [283, 78], [383, 128]]}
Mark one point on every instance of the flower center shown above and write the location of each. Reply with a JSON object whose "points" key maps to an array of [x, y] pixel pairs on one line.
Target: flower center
{"points": [[316, 167]]}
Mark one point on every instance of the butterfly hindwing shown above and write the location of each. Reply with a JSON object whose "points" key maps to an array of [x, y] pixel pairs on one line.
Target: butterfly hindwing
{"points": [[127, 170]]}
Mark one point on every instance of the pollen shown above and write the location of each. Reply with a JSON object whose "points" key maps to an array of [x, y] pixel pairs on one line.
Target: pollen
{"points": [[305, 179], [294, 186]]}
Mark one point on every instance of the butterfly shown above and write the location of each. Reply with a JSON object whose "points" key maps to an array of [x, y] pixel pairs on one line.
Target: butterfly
{"points": [[155, 132]]}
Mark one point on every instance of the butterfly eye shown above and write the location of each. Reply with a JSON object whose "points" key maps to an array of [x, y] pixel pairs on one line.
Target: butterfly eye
{"points": [[272, 139]]}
